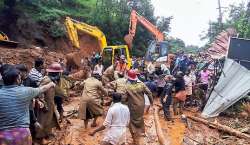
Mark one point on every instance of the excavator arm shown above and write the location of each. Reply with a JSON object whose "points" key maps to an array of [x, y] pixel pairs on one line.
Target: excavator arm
{"points": [[73, 26], [134, 19]]}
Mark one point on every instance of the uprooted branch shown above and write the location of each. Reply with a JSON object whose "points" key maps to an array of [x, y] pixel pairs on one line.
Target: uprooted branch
{"points": [[221, 127]]}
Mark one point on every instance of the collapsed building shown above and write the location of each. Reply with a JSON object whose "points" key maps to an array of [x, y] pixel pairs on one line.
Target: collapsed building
{"points": [[232, 63]]}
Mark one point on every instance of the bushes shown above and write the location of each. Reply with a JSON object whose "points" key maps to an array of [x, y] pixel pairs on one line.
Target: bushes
{"points": [[52, 13]]}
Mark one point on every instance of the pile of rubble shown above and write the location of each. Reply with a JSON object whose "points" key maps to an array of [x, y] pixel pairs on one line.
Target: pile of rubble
{"points": [[27, 56]]}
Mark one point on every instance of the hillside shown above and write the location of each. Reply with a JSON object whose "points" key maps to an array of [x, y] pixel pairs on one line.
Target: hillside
{"points": [[41, 23]]}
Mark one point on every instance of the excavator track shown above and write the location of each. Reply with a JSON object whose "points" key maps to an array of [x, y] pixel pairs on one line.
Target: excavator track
{"points": [[8, 44], [5, 42]]}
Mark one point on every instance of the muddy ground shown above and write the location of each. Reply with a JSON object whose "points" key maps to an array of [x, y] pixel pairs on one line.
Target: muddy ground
{"points": [[179, 132], [73, 132]]}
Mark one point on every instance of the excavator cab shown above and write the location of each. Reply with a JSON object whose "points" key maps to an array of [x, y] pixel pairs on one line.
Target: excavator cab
{"points": [[108, 52], [157, 51], [111, 54]]}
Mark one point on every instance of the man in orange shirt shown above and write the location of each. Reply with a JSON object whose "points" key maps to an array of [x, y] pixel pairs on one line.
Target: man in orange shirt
{"points": [[121, 67]]}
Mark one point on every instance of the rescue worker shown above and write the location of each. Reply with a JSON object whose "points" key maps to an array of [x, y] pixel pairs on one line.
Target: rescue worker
{"points": [[116, 122], [121, 67], [91, 100], [119, 86], [135, 91], [108, 74]]}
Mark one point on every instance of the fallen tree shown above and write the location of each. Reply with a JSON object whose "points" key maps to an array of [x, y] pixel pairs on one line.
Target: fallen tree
{"points": [[163, 140], [221, 127]]}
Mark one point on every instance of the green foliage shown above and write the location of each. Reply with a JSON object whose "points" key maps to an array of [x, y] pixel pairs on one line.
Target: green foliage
{"points": [[176, 45], [163, 23], [1, 5], [192, 49], [51, 13], [239, 18], [57, 30], [113, 16]]}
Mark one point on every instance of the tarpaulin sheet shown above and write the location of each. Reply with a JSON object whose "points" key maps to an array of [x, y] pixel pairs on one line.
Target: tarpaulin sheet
{"points": [[233, 85]]}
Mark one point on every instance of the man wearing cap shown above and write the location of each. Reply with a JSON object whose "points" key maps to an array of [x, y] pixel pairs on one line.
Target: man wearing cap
{"points": [[54, 72], [135, 91], [121, 67], [91, 100], [46, 114]]}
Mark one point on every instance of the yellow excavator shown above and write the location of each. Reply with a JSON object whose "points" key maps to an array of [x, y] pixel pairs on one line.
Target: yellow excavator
{"points": [[4, 41], [109, 53]]}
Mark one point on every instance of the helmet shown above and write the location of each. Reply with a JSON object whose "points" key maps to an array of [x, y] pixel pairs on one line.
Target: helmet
{"points": [[132, 75], [55, 67]]}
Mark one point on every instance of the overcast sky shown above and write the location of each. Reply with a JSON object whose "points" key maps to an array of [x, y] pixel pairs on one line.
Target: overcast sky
{"points": [[191, 17]]}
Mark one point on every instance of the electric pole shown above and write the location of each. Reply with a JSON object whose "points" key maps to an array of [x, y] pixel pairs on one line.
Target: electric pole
{"points": [[220, 15]]}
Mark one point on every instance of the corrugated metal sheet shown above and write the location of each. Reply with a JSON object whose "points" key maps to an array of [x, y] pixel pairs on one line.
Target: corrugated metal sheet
{"points": [[232, 86]]}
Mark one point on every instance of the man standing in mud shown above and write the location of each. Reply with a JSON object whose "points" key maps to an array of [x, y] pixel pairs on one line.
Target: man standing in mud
{"points": [[135, 91], [91, 100], [116, 122]]}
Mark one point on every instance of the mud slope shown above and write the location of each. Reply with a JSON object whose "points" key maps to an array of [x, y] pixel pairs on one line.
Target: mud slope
{"points": [[27, 56]]}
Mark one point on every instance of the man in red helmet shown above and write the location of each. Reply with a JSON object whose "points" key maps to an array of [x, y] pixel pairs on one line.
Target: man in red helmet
{"points": [[135, 91]]}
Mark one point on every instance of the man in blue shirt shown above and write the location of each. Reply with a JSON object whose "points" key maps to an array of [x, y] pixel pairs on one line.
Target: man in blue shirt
{"points": [[14, 106]]}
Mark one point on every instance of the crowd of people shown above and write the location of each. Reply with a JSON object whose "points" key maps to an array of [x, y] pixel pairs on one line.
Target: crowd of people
{"points": [[32, 101], [182, 82]]}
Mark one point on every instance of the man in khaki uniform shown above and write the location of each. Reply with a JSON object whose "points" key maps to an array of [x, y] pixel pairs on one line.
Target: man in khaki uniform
{"points": [[135, 91], [108, 75], [119, 86], [91, 100]]}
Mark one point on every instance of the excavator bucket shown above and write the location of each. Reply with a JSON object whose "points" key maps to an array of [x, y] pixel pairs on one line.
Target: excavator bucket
{"points": [[128, 40]]}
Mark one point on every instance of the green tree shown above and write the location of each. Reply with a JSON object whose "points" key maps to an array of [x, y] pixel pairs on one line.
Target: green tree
{"points": [[176, 45], [163, 23], [239, 18], [113, 17]]}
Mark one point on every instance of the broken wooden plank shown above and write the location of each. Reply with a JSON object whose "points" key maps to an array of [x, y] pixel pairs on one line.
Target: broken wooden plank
{"points": [[221, 127]]}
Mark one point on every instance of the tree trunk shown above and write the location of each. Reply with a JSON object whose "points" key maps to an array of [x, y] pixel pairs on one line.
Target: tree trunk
{"points": [[221, 127], [163, 140]]}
